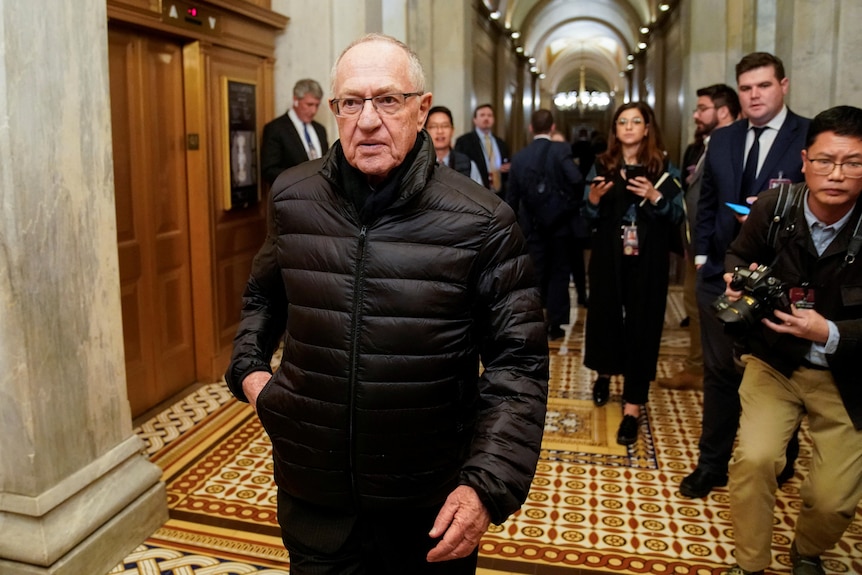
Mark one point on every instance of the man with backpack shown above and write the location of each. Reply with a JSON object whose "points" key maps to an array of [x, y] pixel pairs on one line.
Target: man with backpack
{"points": [[804, 347], [545, 189]]}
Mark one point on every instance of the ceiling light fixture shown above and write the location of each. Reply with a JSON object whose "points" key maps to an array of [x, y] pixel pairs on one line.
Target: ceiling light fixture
{"points": [[664, 7], [495, 15], [644, 30], [583, 99], [516, 35]]}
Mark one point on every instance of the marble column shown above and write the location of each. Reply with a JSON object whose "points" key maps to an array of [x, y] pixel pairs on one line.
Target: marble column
{"points": [[76, 493]]}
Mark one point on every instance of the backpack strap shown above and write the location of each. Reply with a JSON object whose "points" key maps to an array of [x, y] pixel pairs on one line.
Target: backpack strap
{"points": [[855, 244], [790, 198]]}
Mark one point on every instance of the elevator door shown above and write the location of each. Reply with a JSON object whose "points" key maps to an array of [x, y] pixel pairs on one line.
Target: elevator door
{"points": [[146, 76]]}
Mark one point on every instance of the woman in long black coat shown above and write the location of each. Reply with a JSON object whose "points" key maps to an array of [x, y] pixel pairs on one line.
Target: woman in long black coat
{"points": [[634, 206]]}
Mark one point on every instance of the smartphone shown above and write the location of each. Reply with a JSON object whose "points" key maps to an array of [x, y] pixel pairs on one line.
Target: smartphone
{"points": [[634, 171], [738, 208]]}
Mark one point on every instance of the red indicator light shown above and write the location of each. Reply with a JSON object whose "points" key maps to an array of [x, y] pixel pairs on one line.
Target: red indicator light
{"points": [[192, 12]]}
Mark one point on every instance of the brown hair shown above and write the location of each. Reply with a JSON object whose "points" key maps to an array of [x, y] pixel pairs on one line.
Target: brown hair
{"points": [[651, 152]]}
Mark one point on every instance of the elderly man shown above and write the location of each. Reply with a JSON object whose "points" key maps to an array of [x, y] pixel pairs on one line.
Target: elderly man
{"points": [[294, 137], [390, 278]]}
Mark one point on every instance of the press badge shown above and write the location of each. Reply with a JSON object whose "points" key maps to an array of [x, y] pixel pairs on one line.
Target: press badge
{"points": [[630, 240], [802, 297]]}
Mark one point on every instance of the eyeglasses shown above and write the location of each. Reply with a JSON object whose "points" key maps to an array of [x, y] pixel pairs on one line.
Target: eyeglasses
{"points": [[384, 104], [635, 121], [431, 127], [702, 109], [824, 167]]}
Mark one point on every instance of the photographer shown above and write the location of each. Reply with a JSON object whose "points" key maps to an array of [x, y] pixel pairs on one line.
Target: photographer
{"points": [[805, 360]]}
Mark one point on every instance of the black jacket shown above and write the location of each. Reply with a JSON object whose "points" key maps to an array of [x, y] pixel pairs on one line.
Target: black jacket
{"points": [[838, 294], [378, 402], [282, 147], [471, 146], [552, 211]]}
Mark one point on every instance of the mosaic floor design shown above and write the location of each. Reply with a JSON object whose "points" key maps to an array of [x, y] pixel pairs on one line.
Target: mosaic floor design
{"points": [[595, 507]]}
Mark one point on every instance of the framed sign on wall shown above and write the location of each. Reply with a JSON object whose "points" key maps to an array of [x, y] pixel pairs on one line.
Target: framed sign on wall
{"points": [[242, 188]]}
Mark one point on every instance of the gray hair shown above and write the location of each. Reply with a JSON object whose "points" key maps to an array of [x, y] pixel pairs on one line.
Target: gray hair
{"points": [[414, 66], [307, 86]]}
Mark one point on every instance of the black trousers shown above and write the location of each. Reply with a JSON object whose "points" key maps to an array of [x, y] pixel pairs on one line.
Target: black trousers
{"points": [[325, 542], [551, 259], [577, 246], [721, 381]]}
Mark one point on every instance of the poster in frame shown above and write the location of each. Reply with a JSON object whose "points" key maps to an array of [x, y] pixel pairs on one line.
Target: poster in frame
{"points": [[242, 187]]}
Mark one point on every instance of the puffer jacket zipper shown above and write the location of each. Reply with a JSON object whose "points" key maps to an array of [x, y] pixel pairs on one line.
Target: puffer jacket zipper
{"points": [[358, 294]]}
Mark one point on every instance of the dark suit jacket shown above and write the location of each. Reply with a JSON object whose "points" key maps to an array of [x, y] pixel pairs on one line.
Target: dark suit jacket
{"points": [[470, 145], [554, 160], [283, 147], [722, 182]]}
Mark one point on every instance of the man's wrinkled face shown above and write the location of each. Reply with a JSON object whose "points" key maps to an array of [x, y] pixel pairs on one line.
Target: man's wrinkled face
{"points": [[484, 119], [761, 94], [834, 191], [306, 107], [375, 143]]}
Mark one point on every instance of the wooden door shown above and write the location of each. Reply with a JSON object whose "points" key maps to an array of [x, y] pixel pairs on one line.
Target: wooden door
{"points": [[146, 76]]}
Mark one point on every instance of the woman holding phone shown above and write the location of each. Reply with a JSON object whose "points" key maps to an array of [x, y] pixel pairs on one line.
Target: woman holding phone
{"points": [[634, 206]]}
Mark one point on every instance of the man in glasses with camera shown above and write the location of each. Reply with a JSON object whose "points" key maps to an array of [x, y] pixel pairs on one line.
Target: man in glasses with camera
{"points": [[805, 358], [390, 278]]}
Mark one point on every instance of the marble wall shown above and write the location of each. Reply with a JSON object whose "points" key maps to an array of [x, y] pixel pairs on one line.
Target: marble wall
{"points": [[817, 40], [71, 465]]}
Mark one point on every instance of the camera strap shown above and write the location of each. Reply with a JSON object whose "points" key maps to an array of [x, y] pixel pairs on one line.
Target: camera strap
{"points": [[790, 198], [855, 243]]}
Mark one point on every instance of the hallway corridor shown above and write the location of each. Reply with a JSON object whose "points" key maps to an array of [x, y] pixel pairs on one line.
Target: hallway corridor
{"points": [[595, 507]]}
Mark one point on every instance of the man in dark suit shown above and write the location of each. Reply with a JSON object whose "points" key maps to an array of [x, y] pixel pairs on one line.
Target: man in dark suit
{"points": [[490, 153], [294, 137], [545, 189], [717, 107], [743, 159]]}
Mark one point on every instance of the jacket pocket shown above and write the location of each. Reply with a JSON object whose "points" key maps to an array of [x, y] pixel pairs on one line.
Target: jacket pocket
{"points": [[851, 295]]}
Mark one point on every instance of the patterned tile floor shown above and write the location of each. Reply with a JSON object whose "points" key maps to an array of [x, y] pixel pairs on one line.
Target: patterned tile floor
{"points": [[595, 507]]}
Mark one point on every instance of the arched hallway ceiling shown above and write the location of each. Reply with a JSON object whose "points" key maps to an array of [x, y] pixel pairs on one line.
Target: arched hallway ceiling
{"points": [[563, 35]]}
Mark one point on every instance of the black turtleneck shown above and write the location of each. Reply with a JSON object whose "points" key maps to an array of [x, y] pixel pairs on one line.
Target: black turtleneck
{"points": [[371, 201]]}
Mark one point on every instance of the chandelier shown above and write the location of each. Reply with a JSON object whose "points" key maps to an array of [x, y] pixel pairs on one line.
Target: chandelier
{"points": [[582, 99]]}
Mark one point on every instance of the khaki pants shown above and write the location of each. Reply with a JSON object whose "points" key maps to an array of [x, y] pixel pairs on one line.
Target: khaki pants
{"points": [[772, 406]]}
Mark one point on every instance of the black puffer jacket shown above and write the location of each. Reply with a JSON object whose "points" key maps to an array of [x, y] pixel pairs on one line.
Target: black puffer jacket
{"points": [[378, 403]]}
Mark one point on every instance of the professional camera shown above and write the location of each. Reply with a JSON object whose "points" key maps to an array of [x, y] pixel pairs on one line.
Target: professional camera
{"points": [[762, 294]]}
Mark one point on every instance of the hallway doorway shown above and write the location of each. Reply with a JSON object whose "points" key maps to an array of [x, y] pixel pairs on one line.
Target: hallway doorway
{"points": [[152, 206]]}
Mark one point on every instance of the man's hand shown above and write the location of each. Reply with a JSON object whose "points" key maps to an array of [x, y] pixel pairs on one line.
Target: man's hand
{"points": [[253, 384], [803, 323], [732, 294], [461, 522]]}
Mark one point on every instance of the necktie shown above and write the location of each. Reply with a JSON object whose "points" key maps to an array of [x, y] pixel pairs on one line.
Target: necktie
{"points": [[749, 174], [493, 172], [312, 151]]}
